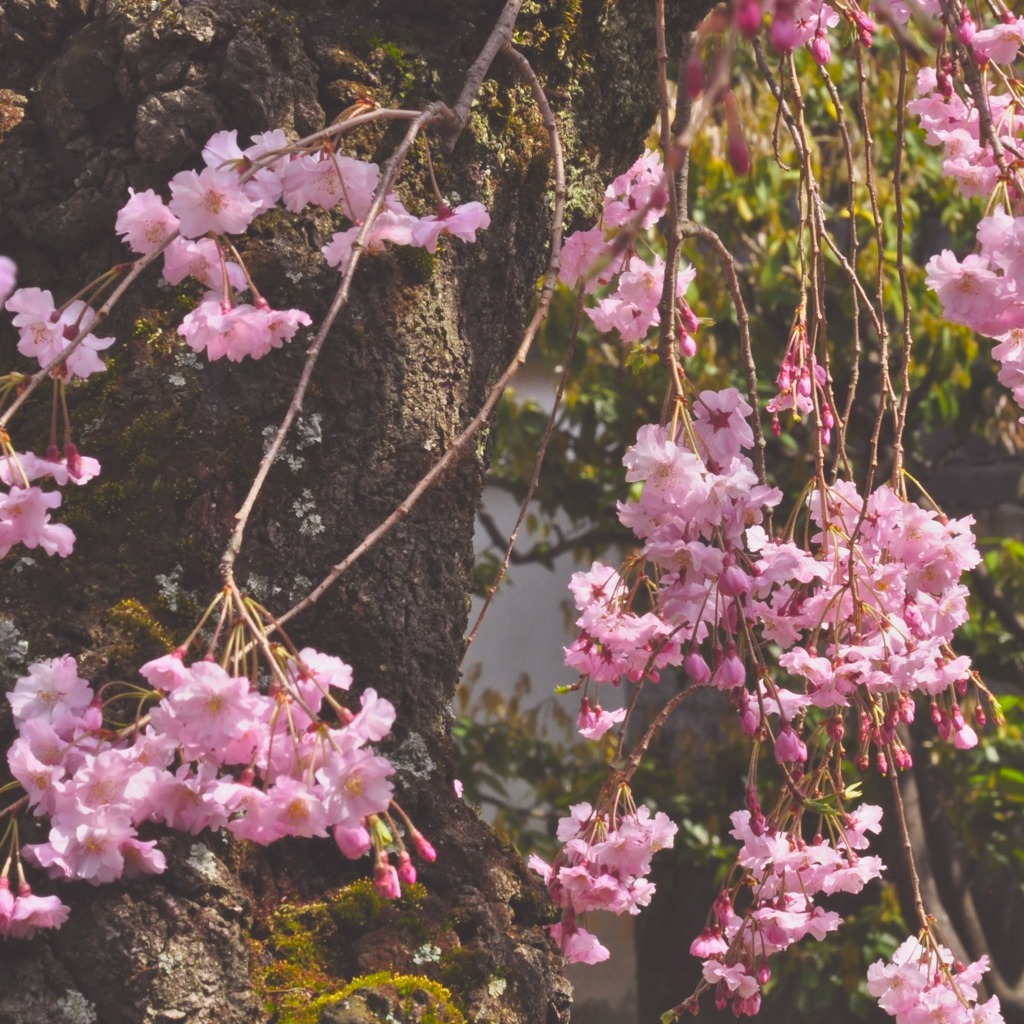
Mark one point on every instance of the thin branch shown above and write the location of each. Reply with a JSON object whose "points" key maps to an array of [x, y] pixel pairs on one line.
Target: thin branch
{"points": [[556, 246], [101, 314], [545, 552], [500, 37], [462, 441], [432, 113], [691, 229]]}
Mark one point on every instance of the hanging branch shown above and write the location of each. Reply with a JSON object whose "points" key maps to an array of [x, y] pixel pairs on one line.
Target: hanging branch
{"points": [[433, 113], [556, 246], [461, 442], [500, 38]]}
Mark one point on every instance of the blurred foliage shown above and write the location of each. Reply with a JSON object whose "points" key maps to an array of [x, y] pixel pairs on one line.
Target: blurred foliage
{"points": [[519, 760]]}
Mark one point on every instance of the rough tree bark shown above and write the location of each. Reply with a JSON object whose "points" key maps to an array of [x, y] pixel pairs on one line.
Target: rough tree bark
{"points": [[100, 95]]}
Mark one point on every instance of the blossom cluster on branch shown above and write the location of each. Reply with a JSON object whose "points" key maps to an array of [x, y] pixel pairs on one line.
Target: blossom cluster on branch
{"points": [[820, 635], [259, 742]]}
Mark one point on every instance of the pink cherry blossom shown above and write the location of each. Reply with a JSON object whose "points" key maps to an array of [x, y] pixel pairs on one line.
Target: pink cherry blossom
{"points": [[327, 180], [463, 222], [593, 721], [51, 690], [45, 332], [145, 222], [30, 913], [210, 200], [202, 259]]}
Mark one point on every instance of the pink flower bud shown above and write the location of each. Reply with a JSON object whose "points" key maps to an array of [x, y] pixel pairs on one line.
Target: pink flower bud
{"points": [[353, 842], [733, 582], [903, 759], [865, 27], [748, 17], [385, 881], [789, 746], [423, 848], [696, 667], [732, 672], [737, 152], [821, 51], [965, 31], [406, 869]]}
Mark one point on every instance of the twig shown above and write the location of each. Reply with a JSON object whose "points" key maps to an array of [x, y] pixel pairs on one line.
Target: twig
{"points": [[462, 441], [668, 343], [556, 247], [547, 552], [431, 113], [501, 36], [691, 229], [101, 314]]}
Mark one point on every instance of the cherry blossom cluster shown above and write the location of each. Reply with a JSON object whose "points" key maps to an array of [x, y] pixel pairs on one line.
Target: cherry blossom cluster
{"points": [[224, 198], [883, 597], [796, 23], [781, 874], [603, 865], [25, 508], [864, 613], [984, 289], [700, 494], [45, 331], [214, 752], [924, 983], [631, 284], [802, 383]]}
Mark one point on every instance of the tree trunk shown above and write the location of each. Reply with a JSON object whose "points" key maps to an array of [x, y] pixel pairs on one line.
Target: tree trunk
{"points": [[102, 95]]}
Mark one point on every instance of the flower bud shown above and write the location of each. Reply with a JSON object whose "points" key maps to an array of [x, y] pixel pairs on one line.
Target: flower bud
{"points": [[696, 667], [406, 869], [385, 881], [965, 30], [423, 848], [748, 17], [821, 51]]}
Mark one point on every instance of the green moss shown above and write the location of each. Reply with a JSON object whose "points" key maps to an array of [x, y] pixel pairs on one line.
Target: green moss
{"points": [[416, 262], [405, 70], [306, 958], [548, 25], [410, 997], [464, 969], [137, 629]]}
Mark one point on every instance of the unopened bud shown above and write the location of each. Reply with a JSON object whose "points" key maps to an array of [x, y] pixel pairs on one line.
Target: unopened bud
{"points": [[738, 153], [748, 17], [406, 869], [965, 30], [423, 847], [821, 51]]}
